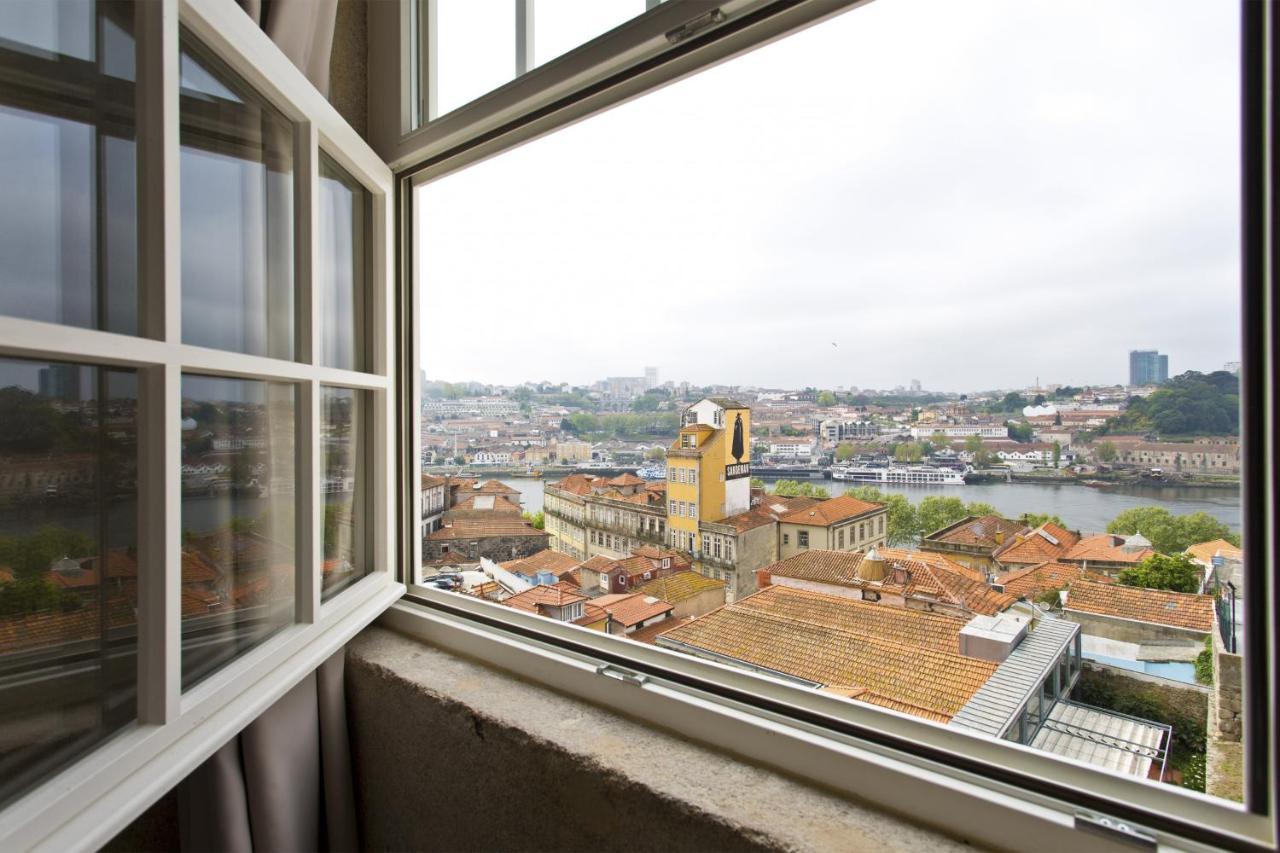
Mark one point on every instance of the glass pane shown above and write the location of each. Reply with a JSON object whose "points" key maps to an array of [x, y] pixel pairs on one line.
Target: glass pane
{"points": [[238, 530], [67, 163], [68, 506], [343, 274], [561, 25], [344, 470], [476, 49], [237, 212]]}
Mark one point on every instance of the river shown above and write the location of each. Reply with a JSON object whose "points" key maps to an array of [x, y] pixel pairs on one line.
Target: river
{"points": [[1081, 507]]}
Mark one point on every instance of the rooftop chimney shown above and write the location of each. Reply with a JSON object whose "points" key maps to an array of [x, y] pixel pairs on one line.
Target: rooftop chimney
{"points": [[999, 536], [872, 567], [763, 578]]}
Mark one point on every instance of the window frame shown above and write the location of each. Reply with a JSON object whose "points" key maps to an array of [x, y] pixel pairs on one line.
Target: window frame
{"points": [[841, 744], [86, 803]]}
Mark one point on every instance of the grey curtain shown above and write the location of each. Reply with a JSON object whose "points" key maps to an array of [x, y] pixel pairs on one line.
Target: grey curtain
{"points": [[303, 29], [282, 784]]}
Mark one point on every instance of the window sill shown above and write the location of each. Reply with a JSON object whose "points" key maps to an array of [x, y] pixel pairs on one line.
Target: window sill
{"points": [[952, 801], [427, 724]]}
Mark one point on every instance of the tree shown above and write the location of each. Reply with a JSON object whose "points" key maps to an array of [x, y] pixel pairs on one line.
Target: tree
{"points": [[1038, 401], [1035, 519], [656, 454], [902, 526], [757, 483], [795, 489], [32, 556], [1057, 453], [1174, 572], [826, 398], [1170, 534], [908, 452], [1020, 431], [973, 444], [981, 508], [1190, 404], [1154, 522], [26, 595], [845, 452], [1105, 452], [936, 512], [537, 519], [1012, 402], [1057, 418]]}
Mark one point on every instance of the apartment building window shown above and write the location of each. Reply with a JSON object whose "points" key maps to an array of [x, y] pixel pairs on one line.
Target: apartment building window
{"points": [[706, 543], [802, 538], [177, 516]]}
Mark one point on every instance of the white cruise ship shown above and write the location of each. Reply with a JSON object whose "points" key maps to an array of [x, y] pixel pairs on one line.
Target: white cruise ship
{"points": [[901, 475]]}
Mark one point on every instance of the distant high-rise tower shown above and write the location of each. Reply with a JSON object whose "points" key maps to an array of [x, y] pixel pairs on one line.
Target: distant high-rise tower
{"points": [[1148, 367], [60, 382], [650, 378]]}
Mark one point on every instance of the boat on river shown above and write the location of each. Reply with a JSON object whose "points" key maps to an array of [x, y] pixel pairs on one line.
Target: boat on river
{"points": [[899, 475]]}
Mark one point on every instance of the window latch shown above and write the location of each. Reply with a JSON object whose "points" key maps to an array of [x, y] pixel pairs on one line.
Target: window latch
{"points": [[621, 674], [695, 25], [1116, 830]]}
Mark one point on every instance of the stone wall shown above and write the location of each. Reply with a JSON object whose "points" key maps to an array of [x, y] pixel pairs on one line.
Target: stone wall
{"points": [[1227, 692], [497, 548], [451, 755], [1133, 631]]}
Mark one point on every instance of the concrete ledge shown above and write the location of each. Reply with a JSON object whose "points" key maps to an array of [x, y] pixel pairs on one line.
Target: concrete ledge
{"points": [[451, 755]]}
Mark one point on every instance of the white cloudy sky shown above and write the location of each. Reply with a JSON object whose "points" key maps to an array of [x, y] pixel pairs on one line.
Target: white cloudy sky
{"points": [[972, 194]]}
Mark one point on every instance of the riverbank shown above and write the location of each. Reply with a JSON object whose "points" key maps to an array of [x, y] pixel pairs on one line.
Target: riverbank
{"points": [[1129, 478]]}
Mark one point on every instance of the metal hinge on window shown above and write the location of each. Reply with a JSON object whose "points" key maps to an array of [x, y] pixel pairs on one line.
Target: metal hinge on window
{"points": [[695, 26], [621, 674], [1115, 829]]}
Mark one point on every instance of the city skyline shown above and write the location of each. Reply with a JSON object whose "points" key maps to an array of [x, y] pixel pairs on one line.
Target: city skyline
{"points": [[1086, 203]]}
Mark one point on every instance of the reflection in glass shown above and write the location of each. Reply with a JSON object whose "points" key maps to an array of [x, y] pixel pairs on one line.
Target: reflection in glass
{"points": [[68, 472], [238, 529], [237, 212], [344, 472], [67, 164], [342, 276]]}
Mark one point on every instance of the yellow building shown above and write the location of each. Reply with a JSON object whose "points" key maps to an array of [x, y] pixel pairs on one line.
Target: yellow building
{"points": [[708, 469]]}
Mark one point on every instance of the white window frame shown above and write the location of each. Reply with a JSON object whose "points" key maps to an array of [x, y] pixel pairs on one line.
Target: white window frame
{"points": [[86, 803], [978, 801]]}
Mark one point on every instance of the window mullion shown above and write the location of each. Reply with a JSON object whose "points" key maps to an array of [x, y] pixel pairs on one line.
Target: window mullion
{"points": [[160, 316], [309, 496]]}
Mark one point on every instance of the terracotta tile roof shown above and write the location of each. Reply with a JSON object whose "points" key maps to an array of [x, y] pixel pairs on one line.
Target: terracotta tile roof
{"points": [[52, 627], [470, 528], [598, 563], [1105, 547], [577, 484], [431, 482], [632, 608], [1030, 581], [535, 599], [1206, 551], [912, 574], [932, 558], [543, 561], [1177, 609], [495, 487], [487, 504], [680, 586], [650, 633], [626, 479], [770, 509], [591, 614], [848, 650], [1046, 542], [826, 513], [978, 531], [451, 558]]}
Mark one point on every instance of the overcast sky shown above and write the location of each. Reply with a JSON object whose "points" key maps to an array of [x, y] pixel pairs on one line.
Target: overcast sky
{"points": [[970, 194]]}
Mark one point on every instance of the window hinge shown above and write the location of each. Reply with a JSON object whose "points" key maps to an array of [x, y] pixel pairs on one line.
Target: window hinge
{"points": [[1115, 829], [621, 674], [696, 25]]}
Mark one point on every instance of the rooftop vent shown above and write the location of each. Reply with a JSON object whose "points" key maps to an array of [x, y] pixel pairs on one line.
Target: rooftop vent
{"points": [[992, 637], [872, 567]]}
